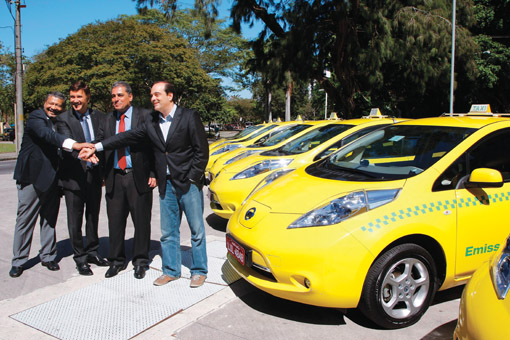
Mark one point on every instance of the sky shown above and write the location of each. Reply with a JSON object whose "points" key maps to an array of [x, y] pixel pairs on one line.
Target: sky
{"points": [[46, 22]]}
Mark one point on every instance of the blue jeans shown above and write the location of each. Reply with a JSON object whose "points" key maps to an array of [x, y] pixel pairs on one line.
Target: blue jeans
{"points": [[171, 208]]}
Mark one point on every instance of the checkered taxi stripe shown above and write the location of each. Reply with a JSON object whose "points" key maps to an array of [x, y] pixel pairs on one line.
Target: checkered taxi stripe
{"points": [[427, 208]]}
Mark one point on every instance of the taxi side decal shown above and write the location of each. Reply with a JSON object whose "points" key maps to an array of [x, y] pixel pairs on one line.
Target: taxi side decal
{"points": [[427, 208]]}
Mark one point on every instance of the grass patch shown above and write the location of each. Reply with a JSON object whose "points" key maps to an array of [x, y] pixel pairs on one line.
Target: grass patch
{"points": [[11, 147]]}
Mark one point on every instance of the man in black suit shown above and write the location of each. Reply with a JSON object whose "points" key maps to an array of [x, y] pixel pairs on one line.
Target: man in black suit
{"points": [[35, 175], [181, 153], [130, 178], [82, 181]]}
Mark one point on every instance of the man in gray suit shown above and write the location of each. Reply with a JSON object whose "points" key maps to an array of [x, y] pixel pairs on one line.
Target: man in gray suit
{"points": [[35, 175]]}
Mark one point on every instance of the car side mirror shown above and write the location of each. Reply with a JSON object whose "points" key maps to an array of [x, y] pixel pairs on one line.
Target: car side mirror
{"points": [[485, 177]]}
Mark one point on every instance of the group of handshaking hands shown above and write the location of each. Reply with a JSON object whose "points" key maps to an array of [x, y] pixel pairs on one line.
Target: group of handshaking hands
{"points": [[87, 152]]}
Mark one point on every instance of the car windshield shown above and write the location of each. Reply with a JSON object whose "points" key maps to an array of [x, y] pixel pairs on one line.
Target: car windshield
{"points": [[282, 135], [309, 140], [395, 152], [246, 131]]}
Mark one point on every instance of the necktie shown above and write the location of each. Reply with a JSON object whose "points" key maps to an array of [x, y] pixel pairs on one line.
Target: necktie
{"points": [[121, 153], [85, 127]]}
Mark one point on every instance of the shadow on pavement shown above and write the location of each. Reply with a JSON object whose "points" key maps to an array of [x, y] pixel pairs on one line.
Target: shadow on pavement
{"points": [[216, 222], [285, 309], [64, 250], [443, 332]]}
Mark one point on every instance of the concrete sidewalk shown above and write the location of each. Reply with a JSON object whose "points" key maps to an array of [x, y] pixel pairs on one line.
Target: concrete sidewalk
{"points": [[238, 311], [37, 285]]}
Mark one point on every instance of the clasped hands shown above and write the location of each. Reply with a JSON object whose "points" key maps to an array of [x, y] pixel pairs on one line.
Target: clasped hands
{"points": [[88, 154]]}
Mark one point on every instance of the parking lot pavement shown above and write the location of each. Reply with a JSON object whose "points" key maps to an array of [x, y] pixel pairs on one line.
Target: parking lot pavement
{"points": [[239, 311]]}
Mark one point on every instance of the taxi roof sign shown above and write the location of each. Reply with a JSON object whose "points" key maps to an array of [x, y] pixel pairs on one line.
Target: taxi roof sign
{"points": [[333, 116], [480, 108], [375, 113]]}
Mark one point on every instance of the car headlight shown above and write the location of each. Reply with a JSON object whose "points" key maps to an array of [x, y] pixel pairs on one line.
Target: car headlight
{"points": [[344, 207], [226, 148], [241, 156], [268, 179], [262, 167], [500, 272]]}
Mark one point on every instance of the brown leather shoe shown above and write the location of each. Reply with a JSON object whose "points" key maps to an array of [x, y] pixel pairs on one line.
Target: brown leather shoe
{"points": [[164, 279], [197, 281]]}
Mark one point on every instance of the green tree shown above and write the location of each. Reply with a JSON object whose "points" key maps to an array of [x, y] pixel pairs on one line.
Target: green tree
{"points": [[220, 51], [492, 28], [398, 53], [242, 108], [121, 49], [7, 95]]}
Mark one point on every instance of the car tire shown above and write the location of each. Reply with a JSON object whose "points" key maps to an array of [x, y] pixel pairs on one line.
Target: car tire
{"points": [[399, 287]]}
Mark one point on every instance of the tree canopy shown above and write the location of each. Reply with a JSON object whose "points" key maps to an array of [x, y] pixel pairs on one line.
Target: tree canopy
{"points": [[7, 68], [122, 49], [394, 55]]}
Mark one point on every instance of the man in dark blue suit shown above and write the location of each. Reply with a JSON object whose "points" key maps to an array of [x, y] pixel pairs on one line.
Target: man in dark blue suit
{"points": [[181, 153], [80, 180], [35, 175]]}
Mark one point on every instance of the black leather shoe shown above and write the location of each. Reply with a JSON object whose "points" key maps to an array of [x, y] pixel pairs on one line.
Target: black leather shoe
{"points": [[51, 265], [140, 272], [97, 260], [15, 271], [113, 270], [84, 269]]}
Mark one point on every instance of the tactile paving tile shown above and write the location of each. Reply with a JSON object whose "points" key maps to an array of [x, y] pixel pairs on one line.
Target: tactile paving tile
{"points": [[122, 307]]}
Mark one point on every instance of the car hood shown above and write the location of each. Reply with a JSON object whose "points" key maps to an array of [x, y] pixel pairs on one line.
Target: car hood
{"points": [[299, 192]]}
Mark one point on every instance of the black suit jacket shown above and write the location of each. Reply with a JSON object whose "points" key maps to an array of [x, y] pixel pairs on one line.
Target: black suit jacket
{"points": [[38, 158], [142, 158], [72, 173], [185, 150]]}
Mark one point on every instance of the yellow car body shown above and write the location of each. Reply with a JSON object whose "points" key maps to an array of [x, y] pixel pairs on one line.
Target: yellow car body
{"points": [[484, 311], [226, 192], [256, 137], [274, 142], [384, 222]]}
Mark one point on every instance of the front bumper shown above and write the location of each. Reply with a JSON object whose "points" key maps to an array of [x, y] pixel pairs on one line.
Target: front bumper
{"points": [[309, 265]]}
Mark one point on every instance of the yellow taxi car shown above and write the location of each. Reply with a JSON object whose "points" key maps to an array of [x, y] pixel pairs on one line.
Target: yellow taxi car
{"points": [[384, 222], [230, 186], [275, 141], [484, 311], [257, 137]]}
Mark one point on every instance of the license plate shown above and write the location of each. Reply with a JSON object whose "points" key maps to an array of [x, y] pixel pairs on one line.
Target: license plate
{"points": [[236, 250]]}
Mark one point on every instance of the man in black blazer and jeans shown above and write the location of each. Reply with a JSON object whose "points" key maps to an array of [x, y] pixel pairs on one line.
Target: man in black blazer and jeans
{"points": [[181, 153], [82, 181], [36, 178], [130, 178]]}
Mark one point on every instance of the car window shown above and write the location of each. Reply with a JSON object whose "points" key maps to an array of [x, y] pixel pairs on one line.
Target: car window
{"points": [[282, 135], [313, 139], [261, 131], [491, 152], [347, 140], [397, 151]]}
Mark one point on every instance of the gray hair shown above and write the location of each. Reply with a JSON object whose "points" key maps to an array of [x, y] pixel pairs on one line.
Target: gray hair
{"points": [[56, 94], [123, 84]]}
